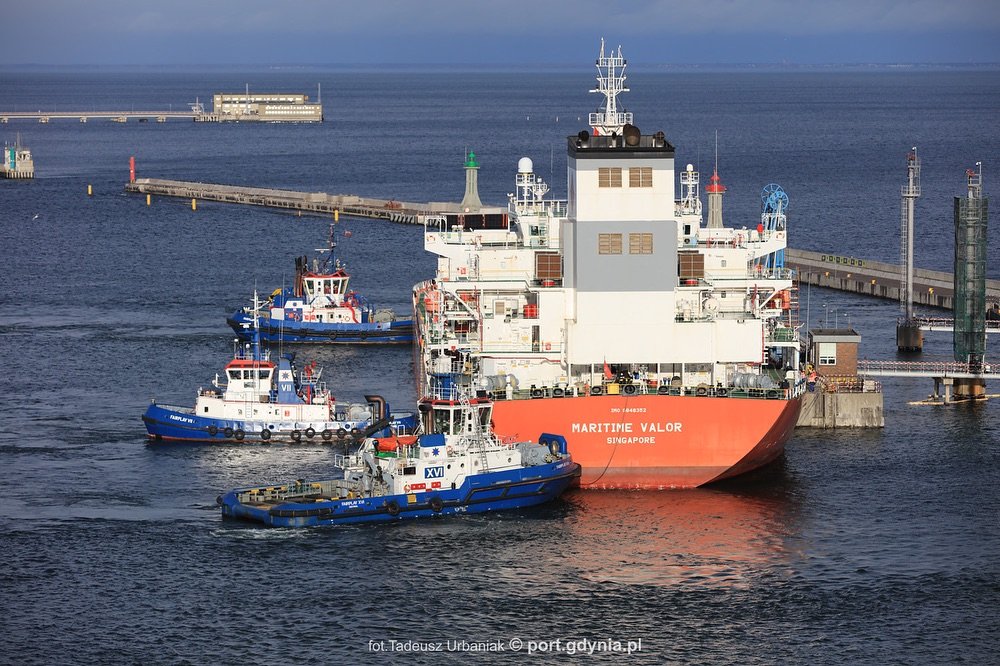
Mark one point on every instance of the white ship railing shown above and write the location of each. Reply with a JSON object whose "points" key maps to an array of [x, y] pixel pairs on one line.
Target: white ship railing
{"points": [[614, 388]]}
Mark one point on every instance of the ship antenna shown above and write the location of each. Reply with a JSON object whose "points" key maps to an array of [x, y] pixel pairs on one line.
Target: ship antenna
{"points": [[256, 330], [716, 151], [610, 83]]}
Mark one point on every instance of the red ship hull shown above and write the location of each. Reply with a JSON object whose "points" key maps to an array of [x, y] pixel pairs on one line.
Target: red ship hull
{"points": [[656, 441]]}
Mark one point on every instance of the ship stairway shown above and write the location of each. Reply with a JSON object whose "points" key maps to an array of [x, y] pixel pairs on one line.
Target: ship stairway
{"points": [[477, 430], [458, 309], [792, 318]]}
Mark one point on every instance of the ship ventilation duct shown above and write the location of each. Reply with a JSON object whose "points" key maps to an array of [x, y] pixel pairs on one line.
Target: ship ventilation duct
{"points": [[583, 139], [659, 139], [631, 134]]}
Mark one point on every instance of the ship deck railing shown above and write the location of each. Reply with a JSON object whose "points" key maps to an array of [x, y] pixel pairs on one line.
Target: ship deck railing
{"points": [[650, 387]]}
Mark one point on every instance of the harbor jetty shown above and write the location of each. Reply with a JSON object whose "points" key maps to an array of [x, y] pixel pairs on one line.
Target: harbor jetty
{"points": [[822, 269], [876, 278], [226, 107], [319, 203]]}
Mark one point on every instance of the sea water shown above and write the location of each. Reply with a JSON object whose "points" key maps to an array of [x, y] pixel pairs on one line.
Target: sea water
{"points": [[858, 546]]}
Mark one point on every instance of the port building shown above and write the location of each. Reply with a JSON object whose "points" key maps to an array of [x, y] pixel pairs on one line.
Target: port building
{"points": [[262, 107]]}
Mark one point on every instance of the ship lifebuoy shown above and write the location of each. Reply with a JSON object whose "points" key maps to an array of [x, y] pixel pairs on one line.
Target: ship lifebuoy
{"points": [[406, 488], [450, 451], [265, 434], [548, 346], [392, 506], [310, 432], [296, 436], [239, 434], [327, 434], [436, 504], [213, 430]]}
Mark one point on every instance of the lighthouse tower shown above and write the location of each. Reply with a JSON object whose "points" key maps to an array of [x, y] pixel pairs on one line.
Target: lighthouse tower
{"points": [[471, 202], [715, 191]]}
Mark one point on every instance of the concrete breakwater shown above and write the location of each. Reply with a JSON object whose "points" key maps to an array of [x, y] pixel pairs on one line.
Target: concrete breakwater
{"points": [[833, 271]]}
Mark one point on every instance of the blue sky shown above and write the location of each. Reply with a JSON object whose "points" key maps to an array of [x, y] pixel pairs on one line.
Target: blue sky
{"points": [[223, 32]]}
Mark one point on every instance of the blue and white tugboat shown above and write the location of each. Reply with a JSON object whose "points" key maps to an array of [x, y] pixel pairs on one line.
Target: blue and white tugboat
{"points": [[259, 400], [463, 467], [320, 308]]}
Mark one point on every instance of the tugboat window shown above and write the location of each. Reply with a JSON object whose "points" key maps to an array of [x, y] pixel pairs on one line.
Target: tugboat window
{"points": [[442, 421]]}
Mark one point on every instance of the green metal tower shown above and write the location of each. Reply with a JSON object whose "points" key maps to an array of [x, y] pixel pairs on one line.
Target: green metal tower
{"points": [[971, 213]]}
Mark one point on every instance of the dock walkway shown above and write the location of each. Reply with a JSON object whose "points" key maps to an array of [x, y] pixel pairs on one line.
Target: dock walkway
{"points": [[84, 116], [310, 202]]}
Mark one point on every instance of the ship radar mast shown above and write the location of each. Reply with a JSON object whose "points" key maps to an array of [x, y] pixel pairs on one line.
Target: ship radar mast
{"points": [[610, 82]]}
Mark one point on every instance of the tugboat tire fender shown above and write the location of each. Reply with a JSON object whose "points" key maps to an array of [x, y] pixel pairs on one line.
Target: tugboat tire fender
{"points": [[392, 506], [296, 435], [355, 432], [228, 432], [310, 432], [327, 435], [436, 504], [239, 434], [341, 433], [213, 430], [265, 434]]}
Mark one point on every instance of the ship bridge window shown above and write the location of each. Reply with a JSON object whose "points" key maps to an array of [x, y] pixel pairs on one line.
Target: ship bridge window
{"points": [[310, 288], [609, 177], [446, 421], [339, 286], [640, 243], [235, 374], [609, 243], [640, 177], [263, 375], [485, 411]]}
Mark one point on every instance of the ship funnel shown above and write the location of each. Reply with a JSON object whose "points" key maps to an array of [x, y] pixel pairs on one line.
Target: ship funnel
{"points": [[583, 139], [631, 134]]}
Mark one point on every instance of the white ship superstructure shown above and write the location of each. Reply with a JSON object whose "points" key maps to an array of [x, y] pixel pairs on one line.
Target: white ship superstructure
{"points": [[624, 276], [610, 315]]}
